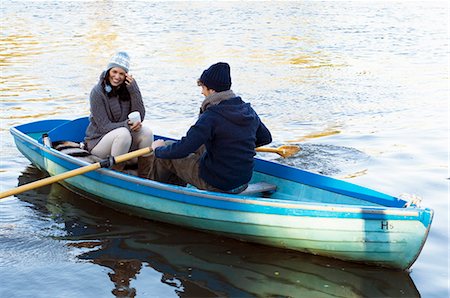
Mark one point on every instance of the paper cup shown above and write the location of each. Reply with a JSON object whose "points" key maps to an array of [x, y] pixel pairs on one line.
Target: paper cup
{"points": [[135, 117]]}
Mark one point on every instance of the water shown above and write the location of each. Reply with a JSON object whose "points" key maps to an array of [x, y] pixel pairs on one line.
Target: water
{"points": [[361, 87]]}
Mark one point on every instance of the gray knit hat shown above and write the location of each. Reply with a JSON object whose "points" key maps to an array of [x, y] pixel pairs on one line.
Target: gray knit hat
{"points": [[121, 59]]}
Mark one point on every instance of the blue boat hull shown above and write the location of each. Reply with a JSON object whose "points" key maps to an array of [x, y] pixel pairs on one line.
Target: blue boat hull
{"points": [[308, 212]]}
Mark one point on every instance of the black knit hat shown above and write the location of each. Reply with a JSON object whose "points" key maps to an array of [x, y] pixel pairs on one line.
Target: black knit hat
{"points": [[217, 77]]}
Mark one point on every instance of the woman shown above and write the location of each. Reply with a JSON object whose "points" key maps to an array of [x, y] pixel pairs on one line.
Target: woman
{"points": [[110, 132]]}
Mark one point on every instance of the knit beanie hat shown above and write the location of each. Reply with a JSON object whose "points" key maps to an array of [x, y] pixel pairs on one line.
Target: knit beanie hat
{"points": [[217, 77], [120, 59]]}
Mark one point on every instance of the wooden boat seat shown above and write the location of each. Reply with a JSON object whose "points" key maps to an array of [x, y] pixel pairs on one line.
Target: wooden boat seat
{"points": [[259, 187]]}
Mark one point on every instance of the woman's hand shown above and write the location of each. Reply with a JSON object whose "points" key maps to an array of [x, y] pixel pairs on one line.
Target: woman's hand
{"points": [[136, 126], [128, 79]]}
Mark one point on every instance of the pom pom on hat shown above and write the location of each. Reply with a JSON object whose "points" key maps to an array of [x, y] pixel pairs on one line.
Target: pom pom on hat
{"points": [[120, 59], [217, 77]]}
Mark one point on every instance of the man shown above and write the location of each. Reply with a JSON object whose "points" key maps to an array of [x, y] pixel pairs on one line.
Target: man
{"points": [[218, 150]]}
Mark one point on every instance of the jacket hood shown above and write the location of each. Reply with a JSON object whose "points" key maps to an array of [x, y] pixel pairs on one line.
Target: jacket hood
{"points": [[101, 77], [235, 110]]}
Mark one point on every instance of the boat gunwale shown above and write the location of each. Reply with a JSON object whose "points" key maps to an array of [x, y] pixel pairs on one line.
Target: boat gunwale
{"points": [[266, 167], [232, 198]]}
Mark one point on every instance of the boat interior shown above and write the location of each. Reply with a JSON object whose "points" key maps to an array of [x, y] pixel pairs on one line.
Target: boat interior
{"points": [[270, 179]]}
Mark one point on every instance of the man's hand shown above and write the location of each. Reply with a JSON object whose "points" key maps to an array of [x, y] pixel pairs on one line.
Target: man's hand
{"points": [[158, 143]]}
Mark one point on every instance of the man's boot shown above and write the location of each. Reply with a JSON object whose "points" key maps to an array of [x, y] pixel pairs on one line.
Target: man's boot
{"points": [[118, 167], [145, 165]]}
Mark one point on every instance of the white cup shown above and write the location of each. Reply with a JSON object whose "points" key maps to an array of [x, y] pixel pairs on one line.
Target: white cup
{"points": [[134, 117]]}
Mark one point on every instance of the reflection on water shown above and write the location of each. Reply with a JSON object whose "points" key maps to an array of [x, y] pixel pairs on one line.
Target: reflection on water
{"points": [[197, 264], [362, 87]]}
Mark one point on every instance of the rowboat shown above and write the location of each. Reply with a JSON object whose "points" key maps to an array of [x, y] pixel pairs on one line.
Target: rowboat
{"points": [[283, 207]]}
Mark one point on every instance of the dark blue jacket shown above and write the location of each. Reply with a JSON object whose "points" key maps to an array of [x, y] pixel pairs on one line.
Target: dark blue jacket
{"points": [[230, 131]]}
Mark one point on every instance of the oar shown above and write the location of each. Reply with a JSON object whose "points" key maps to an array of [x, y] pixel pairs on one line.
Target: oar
{"points": [[284, 151], [101, 164]]}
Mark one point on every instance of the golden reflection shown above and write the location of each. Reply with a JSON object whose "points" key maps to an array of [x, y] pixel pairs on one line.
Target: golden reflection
{"points": [[21, 87], [8, 95], [314, 62], [301, 60], [17, 50], [187, 54], [102, 37], [33, 116], [39, 99], [309, 61], [266, 57], [16, 46], [324, 65]]}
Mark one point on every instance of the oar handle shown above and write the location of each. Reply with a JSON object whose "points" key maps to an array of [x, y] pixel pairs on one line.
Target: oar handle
{"points": [[75, 172], [49, 180], [132, 154], [267, 149]]}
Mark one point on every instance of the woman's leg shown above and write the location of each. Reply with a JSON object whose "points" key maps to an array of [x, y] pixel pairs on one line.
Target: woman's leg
{"points": [[114, 143], [141, 139]]}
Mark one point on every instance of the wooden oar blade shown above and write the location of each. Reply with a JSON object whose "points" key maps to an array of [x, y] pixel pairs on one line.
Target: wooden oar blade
{"points": [[288, 150], [284, 151]]}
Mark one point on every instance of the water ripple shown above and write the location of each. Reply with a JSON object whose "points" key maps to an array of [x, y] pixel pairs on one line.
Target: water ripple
{"points": [[369, 79]]}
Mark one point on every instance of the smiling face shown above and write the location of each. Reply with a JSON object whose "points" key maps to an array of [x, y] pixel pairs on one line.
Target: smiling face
{"points": [[116, 76]]}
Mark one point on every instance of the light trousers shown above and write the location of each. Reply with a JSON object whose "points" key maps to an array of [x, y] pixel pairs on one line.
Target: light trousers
{"points": [[120, 141]]}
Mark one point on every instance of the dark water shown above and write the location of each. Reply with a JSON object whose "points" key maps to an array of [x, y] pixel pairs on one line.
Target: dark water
{"points": [[362, 87]]}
